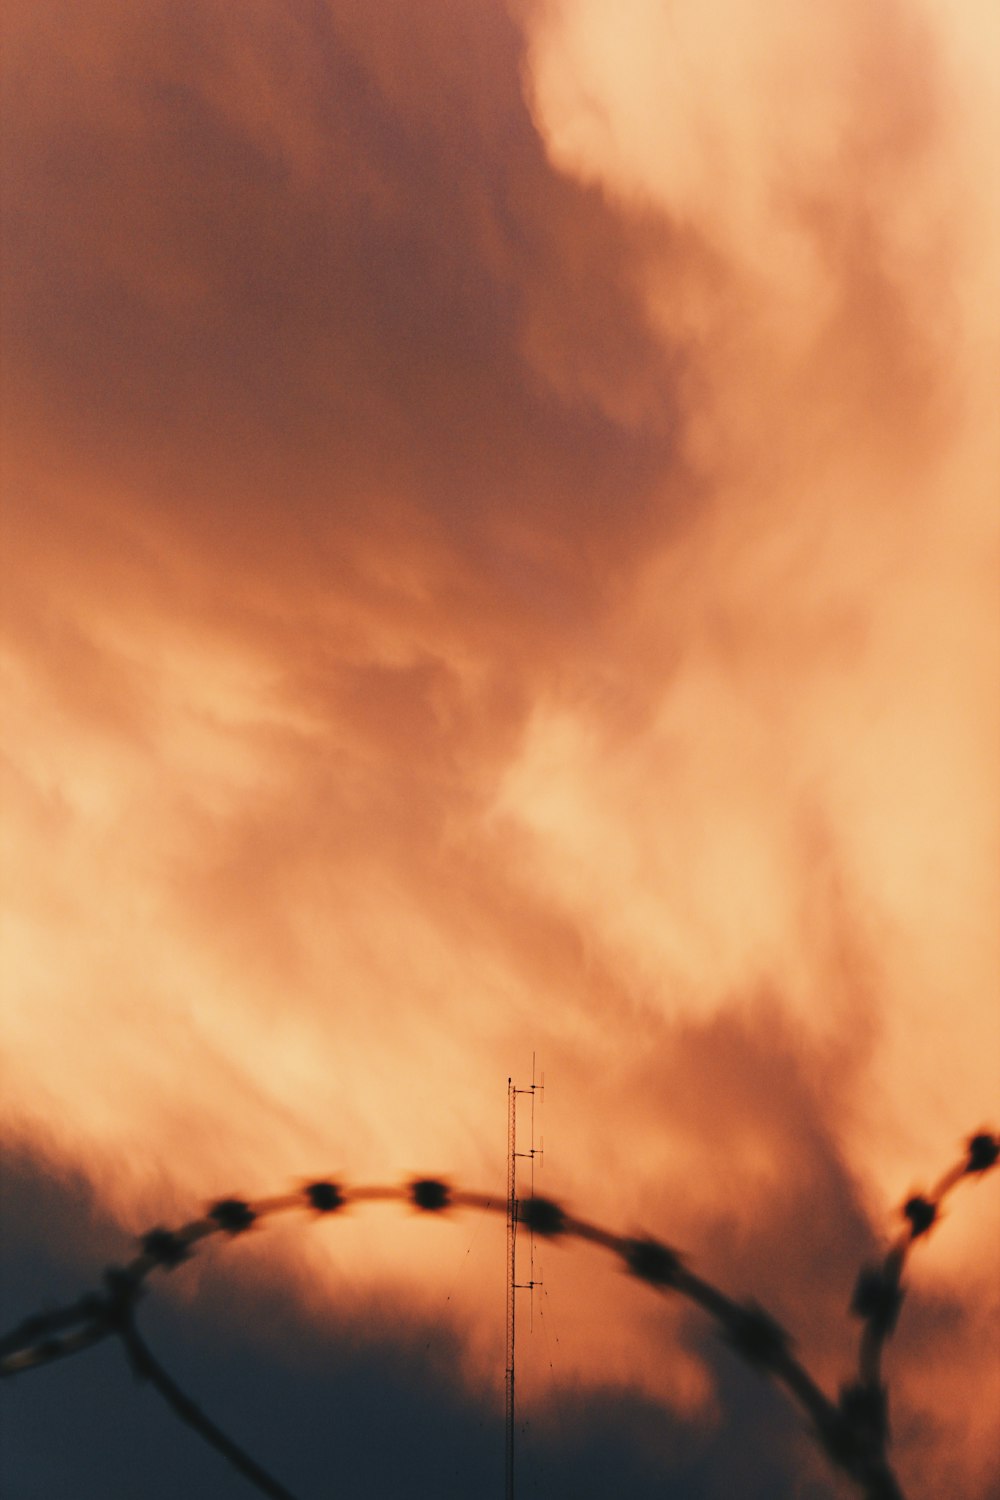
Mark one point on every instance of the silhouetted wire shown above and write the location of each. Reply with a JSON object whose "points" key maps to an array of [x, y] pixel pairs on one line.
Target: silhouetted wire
{"points": [[147, 1367], [853, 1431]]}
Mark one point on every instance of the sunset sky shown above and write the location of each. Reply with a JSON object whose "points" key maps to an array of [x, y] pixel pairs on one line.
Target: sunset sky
{"points": [[500, 558]]}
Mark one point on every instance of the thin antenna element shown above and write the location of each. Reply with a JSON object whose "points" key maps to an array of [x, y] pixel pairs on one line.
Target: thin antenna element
{"points": [[513, 1285]]}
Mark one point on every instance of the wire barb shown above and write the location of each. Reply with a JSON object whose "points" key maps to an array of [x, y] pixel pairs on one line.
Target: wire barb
{"points": [[165, 1247], [430, 1195], [984, 1151], [233, 1215], [650, 1261], [324, 1197], [541, 1216]]}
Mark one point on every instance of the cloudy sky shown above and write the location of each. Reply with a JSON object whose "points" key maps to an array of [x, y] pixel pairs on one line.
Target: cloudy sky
{"points": [[500, 558]]}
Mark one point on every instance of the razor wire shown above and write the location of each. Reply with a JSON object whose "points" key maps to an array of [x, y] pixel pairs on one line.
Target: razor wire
{"points": [[853, 1429]]}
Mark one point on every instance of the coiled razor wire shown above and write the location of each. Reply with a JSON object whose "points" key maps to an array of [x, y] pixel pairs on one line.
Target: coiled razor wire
{"points": [[853, 1430]]}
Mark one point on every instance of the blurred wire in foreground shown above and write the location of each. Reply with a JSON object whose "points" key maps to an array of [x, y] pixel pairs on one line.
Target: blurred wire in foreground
{"points": [[147, 1367], [853, 1430]]}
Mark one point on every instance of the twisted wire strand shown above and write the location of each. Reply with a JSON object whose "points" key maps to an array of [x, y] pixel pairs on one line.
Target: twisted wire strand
{"points": [[147, 1367], [853, 1431], [879, 1291]]}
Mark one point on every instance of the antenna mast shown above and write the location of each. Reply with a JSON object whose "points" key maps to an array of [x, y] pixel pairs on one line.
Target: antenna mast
{"points": [[513, 1285]]}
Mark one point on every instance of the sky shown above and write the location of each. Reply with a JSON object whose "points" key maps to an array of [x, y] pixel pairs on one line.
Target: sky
{"points": [[500, 562]]}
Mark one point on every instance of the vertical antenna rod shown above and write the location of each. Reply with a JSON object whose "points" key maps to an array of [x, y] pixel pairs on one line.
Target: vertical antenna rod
{"points": [[513, 1285]]}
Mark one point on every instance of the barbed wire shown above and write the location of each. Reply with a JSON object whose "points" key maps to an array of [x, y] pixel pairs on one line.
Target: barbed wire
{"points": [[853, 1430], [147, 1367]]}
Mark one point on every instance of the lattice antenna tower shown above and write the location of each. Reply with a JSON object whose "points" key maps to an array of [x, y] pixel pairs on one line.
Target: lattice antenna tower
{"points": [[513, 1285]]}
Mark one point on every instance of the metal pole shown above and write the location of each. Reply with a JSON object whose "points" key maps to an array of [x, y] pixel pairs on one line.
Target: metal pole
{"points": [[511, 1293]]}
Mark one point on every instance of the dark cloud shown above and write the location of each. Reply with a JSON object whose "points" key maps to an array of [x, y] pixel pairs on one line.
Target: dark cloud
{"points": [[318, 1401], [288, 311]]}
